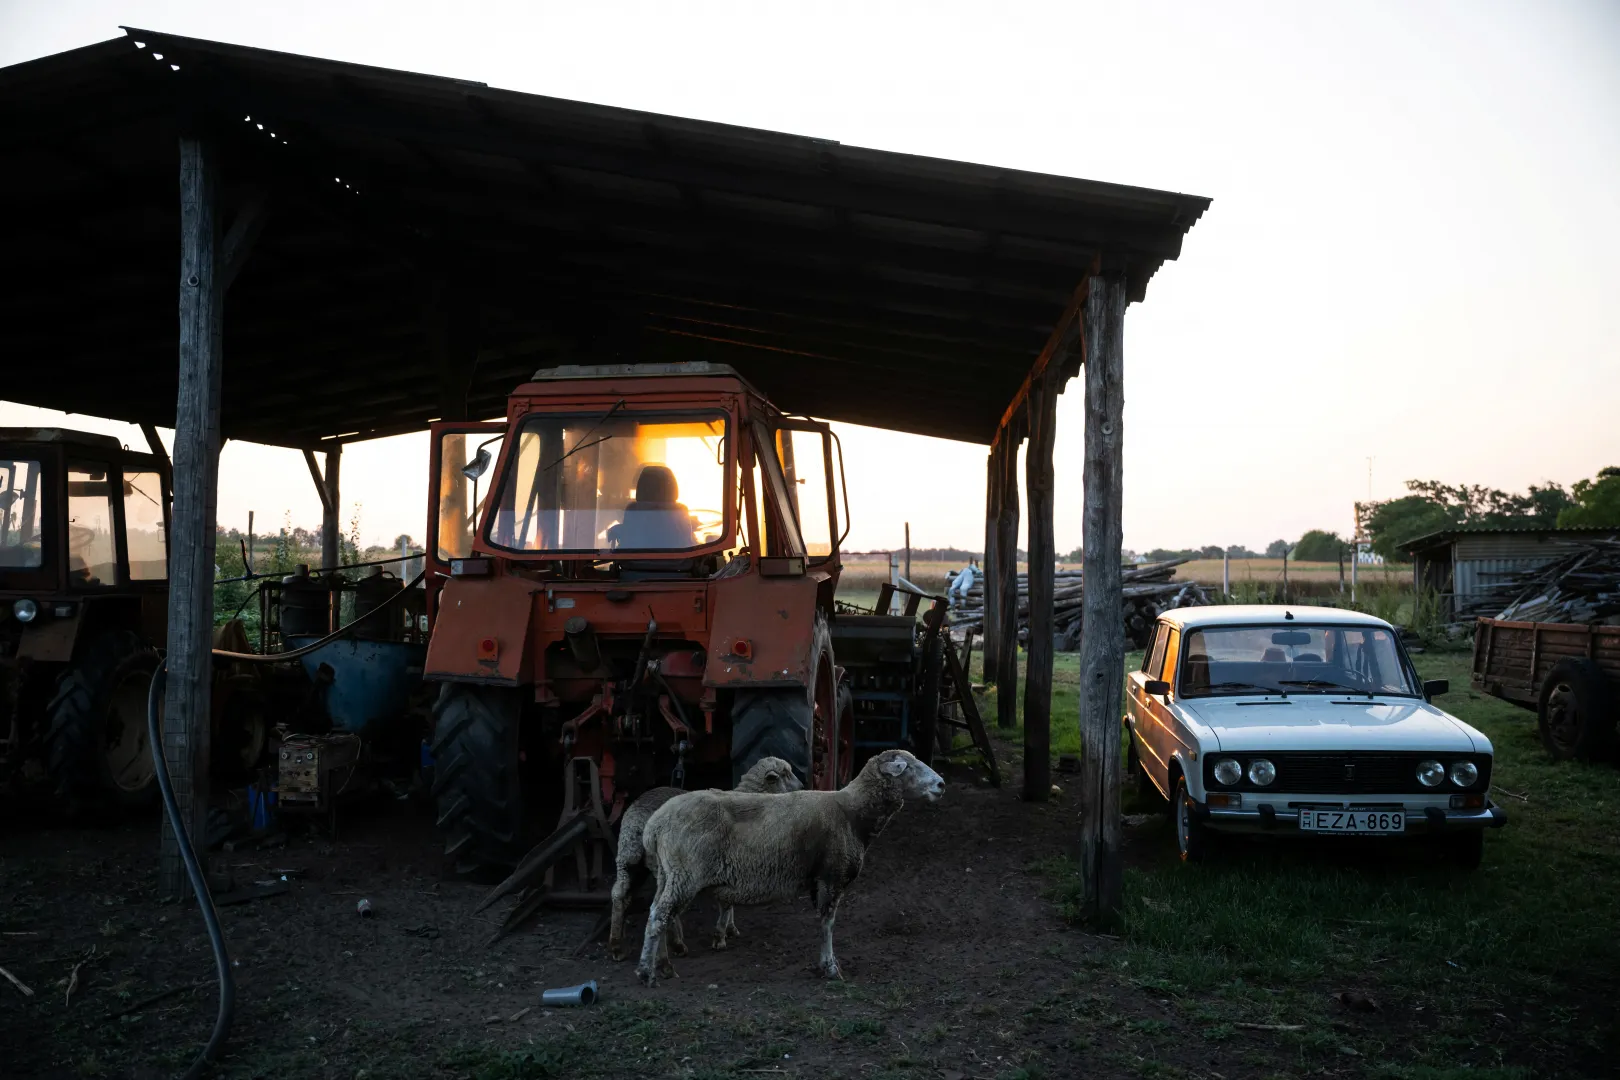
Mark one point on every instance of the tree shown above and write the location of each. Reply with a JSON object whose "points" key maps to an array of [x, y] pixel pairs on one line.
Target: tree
{"points": [[1276, 549], [1596, 502], [1319, 546], [1238, 551], [1434, 506], [1211, 551]]}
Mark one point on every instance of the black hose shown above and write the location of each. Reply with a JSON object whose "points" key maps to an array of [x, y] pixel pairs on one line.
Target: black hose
{"points": [[281, 657], [199, 886]]}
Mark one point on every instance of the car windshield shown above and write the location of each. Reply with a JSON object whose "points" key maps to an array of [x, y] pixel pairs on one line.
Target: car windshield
{"points": [[1292, 659], [613, 481], [19, 514]]}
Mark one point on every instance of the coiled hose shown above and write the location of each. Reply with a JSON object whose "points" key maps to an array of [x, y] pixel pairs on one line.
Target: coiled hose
{"points": [[199, 884]]}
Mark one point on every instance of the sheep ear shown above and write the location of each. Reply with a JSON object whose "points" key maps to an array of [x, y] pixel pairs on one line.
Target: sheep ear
{"points": [[892, 766]]}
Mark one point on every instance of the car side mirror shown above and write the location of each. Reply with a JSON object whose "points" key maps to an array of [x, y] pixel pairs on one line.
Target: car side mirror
{"points": [[1156, 687], [478, 465], [1433, 688]]}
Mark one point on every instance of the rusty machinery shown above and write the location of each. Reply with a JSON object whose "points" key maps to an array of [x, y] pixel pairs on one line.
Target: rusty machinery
{"points": [[631, 584]]}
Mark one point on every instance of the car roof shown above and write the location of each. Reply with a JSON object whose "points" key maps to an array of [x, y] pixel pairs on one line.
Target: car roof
{"points": [[1265, 614]]}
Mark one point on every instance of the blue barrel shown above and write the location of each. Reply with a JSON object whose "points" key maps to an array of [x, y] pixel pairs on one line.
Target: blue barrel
{"points": [[371, 680]]}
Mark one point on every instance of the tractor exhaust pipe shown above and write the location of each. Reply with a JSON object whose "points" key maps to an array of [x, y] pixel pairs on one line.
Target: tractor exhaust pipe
{"points": [[582, 643]]}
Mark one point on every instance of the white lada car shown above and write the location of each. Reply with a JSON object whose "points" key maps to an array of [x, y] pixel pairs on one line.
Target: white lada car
{"points": [[1302, 720]]}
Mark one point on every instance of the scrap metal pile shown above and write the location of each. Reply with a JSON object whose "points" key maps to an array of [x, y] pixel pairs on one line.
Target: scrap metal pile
{"points": [[1148, 590], [1581, 587]]}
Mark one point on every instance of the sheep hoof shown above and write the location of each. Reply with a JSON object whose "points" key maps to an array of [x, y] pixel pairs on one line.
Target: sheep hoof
{"points": [[732, 931], [679, 948], [831, 969], [616, 950], [719, 943], [648, 978], [667, 970]]}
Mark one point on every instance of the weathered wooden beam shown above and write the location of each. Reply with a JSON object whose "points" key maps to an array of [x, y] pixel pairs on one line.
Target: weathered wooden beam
{"points": [[187, 705], [992, 560], [1059, 349], [315, 475], [330, 529], [1007, 554], [1102, 652], [244, 231], [155, 445], [1038, 484]]}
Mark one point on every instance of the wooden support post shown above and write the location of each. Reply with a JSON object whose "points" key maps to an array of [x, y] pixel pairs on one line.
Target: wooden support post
{"points": [[992, 561], [187, 705], [1038, 678], [328, 488], [1007, 617], [1102, 649]]}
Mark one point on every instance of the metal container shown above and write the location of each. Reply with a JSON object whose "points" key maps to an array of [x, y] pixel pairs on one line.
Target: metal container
{"points": [[371, 680], [306, 605], [373, 591]]}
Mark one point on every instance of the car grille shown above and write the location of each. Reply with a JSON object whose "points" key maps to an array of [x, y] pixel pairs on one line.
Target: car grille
{"points": [[1350, 772]]}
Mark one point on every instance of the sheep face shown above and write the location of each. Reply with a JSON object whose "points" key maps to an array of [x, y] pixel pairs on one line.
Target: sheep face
{"points": [[915, 780], [770, 776]]}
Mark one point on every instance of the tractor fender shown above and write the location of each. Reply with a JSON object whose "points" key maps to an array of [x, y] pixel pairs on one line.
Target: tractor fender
{"points": [[481, 633], [762, 631]]}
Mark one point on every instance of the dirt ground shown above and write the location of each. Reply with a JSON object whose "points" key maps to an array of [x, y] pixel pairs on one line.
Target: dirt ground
{"points": [[957, 966]]}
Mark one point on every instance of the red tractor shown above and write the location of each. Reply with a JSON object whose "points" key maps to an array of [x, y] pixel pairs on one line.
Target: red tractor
{"points": [[640, 593]]}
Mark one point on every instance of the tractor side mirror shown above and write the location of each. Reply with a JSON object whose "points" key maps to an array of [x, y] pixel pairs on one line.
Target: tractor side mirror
{"points": [[478, 466]]}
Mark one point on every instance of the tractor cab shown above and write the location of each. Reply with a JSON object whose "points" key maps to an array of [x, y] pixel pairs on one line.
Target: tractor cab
{"points": [[83, 602]]}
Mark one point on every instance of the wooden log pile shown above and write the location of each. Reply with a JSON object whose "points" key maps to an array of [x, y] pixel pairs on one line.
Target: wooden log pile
{"points": [[1581, 587], [1148, 590]]}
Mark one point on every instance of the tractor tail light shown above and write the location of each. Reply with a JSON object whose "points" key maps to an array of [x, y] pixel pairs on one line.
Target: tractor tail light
{"points": [[489, 649], [742, 648]]}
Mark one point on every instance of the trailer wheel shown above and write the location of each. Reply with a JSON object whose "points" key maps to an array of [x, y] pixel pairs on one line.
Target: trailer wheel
{"points": [[1576, 711], [780, 723], [476, 782], [96, 740]]}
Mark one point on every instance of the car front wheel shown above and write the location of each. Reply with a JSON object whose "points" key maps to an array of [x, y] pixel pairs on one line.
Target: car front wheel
{"points": [[1192, 837]]}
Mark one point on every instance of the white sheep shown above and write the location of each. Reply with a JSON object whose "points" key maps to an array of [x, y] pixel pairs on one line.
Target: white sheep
{"points": [[767, 776], [753, 849]]}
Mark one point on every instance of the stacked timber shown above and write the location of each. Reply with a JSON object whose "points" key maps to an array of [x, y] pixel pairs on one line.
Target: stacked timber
{"points": [[1580, 587], [1148, 590]]}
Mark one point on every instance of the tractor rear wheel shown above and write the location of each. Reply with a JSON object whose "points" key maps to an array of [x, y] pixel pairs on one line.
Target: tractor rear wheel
{"points": [[780, 723], [96, 736], [477, 783]]}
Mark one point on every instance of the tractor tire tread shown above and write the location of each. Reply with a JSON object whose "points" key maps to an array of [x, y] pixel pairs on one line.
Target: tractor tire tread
{"points": [[480, 810], [73, 729]]}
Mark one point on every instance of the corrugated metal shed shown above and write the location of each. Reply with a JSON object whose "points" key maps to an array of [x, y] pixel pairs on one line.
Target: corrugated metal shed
{"points": [[407, 210], [1463, 564]]}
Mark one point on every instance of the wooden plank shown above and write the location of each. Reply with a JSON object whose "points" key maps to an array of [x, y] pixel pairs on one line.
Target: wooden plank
{"points": [[1007, 554], [1102, 654], [1038, 483], [244, 232], [196, 484], [330, 529], [992, 560], [1057, 351]]}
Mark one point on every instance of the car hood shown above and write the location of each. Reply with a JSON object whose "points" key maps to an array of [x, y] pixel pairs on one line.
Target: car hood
{"points": [[1322, 722]]}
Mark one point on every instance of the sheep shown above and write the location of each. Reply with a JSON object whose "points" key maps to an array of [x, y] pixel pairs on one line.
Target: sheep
{"points": [[768, 776], [754, 850]]}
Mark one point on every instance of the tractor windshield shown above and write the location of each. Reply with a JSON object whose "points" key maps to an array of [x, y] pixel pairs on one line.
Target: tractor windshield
{"points": [[20, 514], [614, 481]]}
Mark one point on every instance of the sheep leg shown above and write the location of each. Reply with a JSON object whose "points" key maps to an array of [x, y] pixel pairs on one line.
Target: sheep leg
{"points": [[652, 943], [719, 940], [827, 904], [624, 887], [677, 934], [731, 922]]}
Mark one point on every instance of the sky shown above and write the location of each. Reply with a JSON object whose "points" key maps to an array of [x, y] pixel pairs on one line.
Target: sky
{"points": [[1409, 270]]}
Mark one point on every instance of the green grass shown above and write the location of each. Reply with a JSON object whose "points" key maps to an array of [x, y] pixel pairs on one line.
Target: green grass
{"points": [[1265, 930]]}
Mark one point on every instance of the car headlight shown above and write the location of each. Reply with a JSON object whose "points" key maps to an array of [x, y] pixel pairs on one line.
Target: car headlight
{"points": [[1431, 773], [25, 610], [1228, 771], [1464, 773], [1262, 772]]}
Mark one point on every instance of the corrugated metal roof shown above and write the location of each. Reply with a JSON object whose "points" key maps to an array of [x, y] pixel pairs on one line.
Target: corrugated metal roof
{"points": [[1445, 536], [853, 284]]}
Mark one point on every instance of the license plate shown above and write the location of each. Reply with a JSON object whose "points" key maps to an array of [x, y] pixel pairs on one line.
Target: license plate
{"points": [[1353, 821]]}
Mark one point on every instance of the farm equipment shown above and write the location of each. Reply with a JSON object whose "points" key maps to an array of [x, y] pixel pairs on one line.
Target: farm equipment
{"points": [[83, 606], [1569, 673], [634, 589]]}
